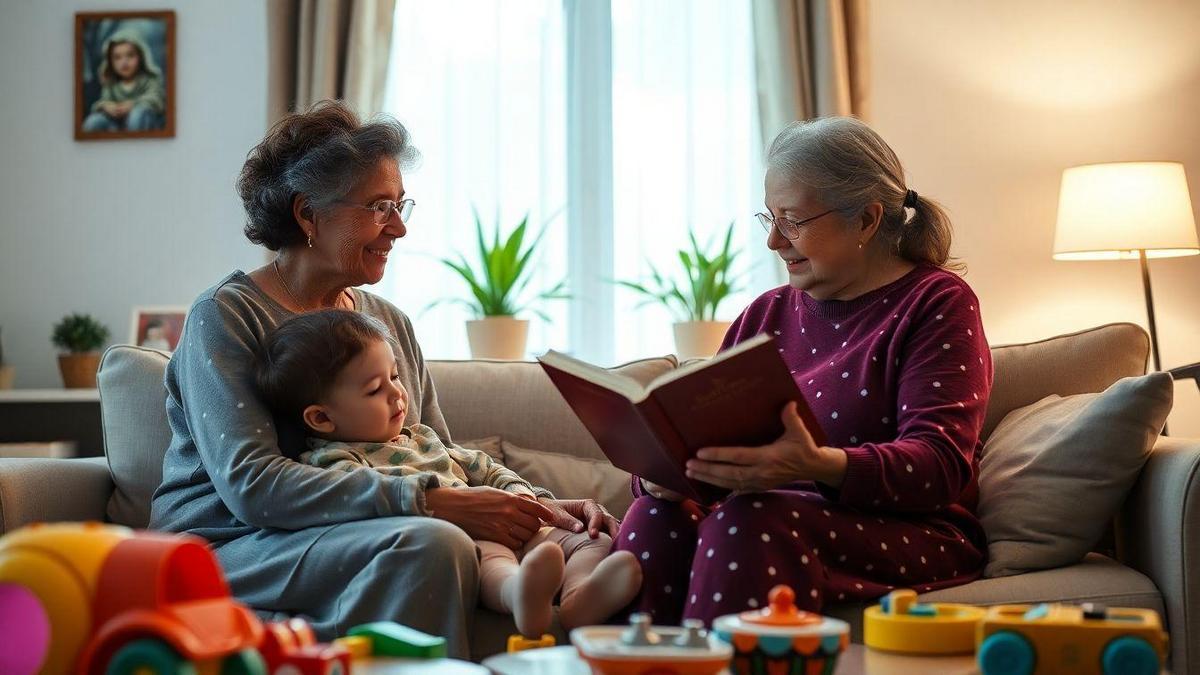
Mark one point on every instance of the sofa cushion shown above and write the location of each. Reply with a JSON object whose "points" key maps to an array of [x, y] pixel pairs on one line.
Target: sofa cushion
{"points": [[516, 400], [1053, 474], [571, 477], [133, 412], [1078, 363]]}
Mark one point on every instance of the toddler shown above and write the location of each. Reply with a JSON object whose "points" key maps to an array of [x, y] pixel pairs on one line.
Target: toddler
{"points": [[335, 370]]}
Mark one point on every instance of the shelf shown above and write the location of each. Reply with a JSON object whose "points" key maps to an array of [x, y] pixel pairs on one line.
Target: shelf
{"points": [[48, 395]]}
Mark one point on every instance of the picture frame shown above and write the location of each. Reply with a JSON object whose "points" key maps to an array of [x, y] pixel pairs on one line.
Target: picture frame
{"points": [[157, 327], [124, 75]]}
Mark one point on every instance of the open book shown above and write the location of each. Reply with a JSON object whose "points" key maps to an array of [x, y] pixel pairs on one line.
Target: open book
{"points": [[735, 398]]}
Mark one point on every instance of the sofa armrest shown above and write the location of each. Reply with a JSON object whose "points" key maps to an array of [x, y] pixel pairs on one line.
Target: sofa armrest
{"points": [[51, 490], [1158, 534]]}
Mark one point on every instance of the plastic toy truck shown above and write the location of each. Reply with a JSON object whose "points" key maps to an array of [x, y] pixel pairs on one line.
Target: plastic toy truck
{"points": [[1078, 639], [93, 598]]}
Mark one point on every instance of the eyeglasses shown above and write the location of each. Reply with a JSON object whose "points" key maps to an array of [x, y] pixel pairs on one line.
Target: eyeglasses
{"points": [[789, 228], [384, 207]]}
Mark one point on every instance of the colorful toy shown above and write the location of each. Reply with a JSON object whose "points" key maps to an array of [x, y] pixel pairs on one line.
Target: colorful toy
{"points": [[389, 638], [901, 624], [102, 599], [782, 638], [291, 647], [359, 646], [519, 643], [1051, 639], [642, 648]]}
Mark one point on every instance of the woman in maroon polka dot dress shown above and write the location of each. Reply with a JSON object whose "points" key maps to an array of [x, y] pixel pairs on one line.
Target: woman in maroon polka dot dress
{"points": [[888, 347]]}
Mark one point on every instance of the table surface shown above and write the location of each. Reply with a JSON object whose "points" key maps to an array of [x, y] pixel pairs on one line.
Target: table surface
{"points": [[857, 660], [389, 666]]}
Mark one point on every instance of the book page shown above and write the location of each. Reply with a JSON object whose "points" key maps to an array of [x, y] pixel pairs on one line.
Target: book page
{"points": [[626, 386], [721, 356]]}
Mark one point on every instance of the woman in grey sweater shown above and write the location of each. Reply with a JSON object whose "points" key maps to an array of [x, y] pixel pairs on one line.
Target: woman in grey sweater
{"points": [[326, 192]]}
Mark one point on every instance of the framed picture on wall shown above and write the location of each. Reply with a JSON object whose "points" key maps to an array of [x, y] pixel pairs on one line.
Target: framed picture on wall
{"points": [[157, 327], [124, 75]]}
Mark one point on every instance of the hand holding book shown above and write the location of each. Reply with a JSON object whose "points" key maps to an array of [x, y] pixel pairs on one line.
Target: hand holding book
{"points": [[652, 431], [795, 456]]}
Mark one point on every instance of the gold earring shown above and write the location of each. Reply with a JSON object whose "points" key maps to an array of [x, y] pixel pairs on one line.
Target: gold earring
{"points": [[859, 244], [310, 242]]}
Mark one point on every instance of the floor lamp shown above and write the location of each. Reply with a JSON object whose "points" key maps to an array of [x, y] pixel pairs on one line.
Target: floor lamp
{"points": [[1125, 211]]}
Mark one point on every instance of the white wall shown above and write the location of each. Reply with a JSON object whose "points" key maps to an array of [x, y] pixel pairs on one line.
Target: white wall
{"points": [[102, 226], [987, 103]]}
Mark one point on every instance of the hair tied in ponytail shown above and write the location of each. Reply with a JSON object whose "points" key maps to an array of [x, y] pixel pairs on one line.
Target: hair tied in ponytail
{"points": [[910, 205]]}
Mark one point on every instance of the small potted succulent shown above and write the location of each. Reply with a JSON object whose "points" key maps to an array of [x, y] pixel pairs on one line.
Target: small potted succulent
{"points": [[80, 336], [6, 371], [698, 333], [496, 292]]}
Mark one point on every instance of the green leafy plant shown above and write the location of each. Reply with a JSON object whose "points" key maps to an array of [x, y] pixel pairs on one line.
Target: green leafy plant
{"points": [[78, 333], [708, 282], [503, 274]]}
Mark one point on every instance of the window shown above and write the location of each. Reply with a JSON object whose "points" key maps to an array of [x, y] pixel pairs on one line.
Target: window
{"points": [[483, 87]]}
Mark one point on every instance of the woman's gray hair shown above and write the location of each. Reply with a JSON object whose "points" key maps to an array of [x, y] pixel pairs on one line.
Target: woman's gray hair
{"points": [[322, 154], [850, 166]]}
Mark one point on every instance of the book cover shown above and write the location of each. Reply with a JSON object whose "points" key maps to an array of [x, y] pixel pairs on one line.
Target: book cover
{"points": [[735, 398]]}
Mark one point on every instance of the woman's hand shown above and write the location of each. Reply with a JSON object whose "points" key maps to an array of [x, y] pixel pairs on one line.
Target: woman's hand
{"points": [[489, 514], [573, 514], [794, 457], [656, 490]]}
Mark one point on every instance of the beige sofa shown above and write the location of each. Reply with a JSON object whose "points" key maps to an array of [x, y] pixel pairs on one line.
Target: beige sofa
{"points": [[1157, 565]]}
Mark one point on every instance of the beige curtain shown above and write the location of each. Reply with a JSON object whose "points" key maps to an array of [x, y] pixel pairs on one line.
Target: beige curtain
{"points": [[811, 58], [319, 49]]}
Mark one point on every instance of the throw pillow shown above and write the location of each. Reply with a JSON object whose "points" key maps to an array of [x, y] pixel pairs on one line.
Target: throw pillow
{"points": [[1053, 474], [571, 477]]}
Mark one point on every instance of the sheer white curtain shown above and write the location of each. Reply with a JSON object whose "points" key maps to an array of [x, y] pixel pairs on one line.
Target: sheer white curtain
{"points": [[686, 152], [480, 85]]}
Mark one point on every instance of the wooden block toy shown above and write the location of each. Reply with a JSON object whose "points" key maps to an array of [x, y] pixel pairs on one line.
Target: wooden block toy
{"points": [[519, 643], [389, 638]]}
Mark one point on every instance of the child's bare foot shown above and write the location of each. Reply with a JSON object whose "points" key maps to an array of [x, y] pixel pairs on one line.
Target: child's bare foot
{"points": [[614, 582], [531, 590]]}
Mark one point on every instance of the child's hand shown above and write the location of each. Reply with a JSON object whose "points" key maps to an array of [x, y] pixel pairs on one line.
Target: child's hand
{"points": [[793, 457]]}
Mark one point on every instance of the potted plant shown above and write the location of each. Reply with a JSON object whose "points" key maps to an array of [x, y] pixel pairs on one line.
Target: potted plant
{"points": [[81, 336], [496, 288], [694, 303], [6, 371]]}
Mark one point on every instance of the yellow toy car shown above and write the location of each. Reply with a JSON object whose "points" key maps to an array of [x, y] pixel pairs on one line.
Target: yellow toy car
{"points": [[1077, 639]]}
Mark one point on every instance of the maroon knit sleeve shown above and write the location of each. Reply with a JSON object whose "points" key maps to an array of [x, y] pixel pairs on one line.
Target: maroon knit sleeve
{"points": [[945, 376]]}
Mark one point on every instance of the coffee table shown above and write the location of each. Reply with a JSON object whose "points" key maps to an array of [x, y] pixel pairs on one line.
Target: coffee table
{"points": [[858, 660], [392, 666]]}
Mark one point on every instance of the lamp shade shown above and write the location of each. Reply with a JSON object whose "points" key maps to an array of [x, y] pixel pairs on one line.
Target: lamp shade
{"points": [[1111, 211]]}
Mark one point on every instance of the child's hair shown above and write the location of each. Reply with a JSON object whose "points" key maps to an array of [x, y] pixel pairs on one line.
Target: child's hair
{"points": [[300, 360], [108, 74]]}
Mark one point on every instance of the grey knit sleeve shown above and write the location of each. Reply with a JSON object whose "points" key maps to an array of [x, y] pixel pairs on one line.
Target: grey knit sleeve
{"points": [[238, 445]]}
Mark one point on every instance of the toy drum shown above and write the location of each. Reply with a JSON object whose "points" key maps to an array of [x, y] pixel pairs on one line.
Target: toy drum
{"points": [[782, 638]]}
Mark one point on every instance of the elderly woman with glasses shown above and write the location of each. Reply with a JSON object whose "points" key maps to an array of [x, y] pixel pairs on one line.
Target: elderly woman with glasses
{"points": [[887, 346], [326, 193]]}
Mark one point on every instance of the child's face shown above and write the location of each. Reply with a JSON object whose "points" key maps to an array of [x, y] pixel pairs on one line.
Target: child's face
{"points": [[125, 61], [367, 403]]}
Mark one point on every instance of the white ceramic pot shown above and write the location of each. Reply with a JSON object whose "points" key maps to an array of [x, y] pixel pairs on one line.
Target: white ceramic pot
{"points": [[498, 337], [699, 339]]}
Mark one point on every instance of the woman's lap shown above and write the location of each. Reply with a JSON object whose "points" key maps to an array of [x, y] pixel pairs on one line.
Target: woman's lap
{"points": [[728, 560], [422, 572]]}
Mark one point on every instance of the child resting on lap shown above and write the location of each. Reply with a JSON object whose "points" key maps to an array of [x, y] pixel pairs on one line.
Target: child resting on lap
{"points": [[336, 371]]}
